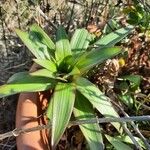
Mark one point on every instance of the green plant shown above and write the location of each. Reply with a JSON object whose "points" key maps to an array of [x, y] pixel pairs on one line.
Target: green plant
{"points": [[64, 66], [138, 14], [128, 86]]}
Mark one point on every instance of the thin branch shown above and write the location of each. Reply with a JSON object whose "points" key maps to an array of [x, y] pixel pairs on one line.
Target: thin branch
{"points": [[17, 132], [107, 120], [76, 2], [46, 18], [70, 19], [131, 136], [90, 13], [17, 7], [135, 127], [113, 99], [16, 66], [4, 32]]}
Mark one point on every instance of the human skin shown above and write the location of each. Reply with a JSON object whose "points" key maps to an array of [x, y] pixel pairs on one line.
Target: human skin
{"points": [[29, 109]]}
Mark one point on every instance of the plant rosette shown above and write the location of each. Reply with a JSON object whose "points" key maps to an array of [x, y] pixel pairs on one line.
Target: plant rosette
{"points": [[63, 68]]}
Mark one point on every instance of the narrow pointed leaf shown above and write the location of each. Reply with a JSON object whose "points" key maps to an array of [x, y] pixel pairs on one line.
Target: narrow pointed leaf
{"points": [[80, 41], [117, 143], [18, 76], [97, 56], [83, 110], [31, 44], [35, 42], [49, 111], [75, 71], [40, 38], [43, 73], [48, 64], [63, 48], [98, 99], [46, 73], [63, 102], [23, 82], [127, 139], [45, 39], [114, 37]]}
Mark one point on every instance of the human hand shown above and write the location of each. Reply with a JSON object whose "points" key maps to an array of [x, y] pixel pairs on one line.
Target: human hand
{"points": [[30, 107]]}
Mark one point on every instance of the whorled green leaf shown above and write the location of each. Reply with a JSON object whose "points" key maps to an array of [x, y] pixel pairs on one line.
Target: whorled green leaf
{"points": [[38, 49], [37, 41], [83, 110], [40, 38], [75, 72], [127, 139], [18, 76], [118, 144], [46, 73], [43, 73], [97, 99], [80, 41], [63, 48], [63, 102], [49, 111], [97, 56], [43, 37], [48, 64], [23, 82], [112, 25], [114, 37]]}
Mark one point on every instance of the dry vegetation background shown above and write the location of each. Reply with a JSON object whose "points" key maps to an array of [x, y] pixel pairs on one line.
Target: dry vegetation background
{"points": [[91, 14]]}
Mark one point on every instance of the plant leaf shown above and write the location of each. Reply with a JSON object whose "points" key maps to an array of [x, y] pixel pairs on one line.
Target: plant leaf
{"points": [[63, 48], [46, 73], [45, 39], [117, 143], [98, 99], [24, 36], [83, 110], [127, 139], [48, 64], [37, 41], [49, 111], [127, 99], [43, 73], [80, 41], [134, 79], [112, 25], [63, 102], [97, 56], [75, 72], [23, 82], [17, 76], [114, 37]]}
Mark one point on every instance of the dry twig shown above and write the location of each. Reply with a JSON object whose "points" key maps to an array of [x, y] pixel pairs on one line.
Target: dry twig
{"points": [[135, 127], [46, 18], [17, 132]]}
